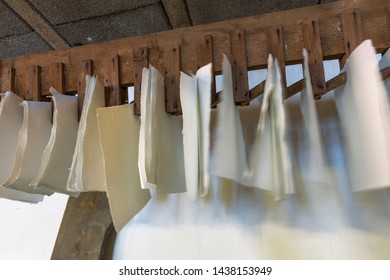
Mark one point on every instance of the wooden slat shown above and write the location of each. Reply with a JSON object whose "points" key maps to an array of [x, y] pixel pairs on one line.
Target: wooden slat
{"points": [[86, 68], [114, 92], [177, 13], [57, 76], [82, 233], [172, 79], [33, 83], [312, 43], [275, 46], [352, 31], [140, 60], [239, 67], [204, 56], [8, 83]]}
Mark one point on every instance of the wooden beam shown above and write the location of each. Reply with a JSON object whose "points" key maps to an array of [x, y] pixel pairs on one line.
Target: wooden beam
{"points": [[177, 13], [38, 22], [172, 79], [33, 83], [113, 89], [275, 46], [57, 76]]}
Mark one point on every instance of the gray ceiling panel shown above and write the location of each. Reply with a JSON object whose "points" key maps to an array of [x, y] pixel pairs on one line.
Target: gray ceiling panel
{"points": [[63, 11], [11, 24], [24, 44]]}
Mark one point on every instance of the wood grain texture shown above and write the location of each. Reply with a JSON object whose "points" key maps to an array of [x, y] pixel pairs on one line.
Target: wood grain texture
{"points": [[140, 61], [239, 67], [275, 46], [177, 13], [312, 43], [172, 79], [57, 77], [33, 83], [8, 83], [113, 90]]}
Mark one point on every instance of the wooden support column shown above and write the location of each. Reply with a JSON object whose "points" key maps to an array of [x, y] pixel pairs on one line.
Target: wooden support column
{"points": [[33, 83], [204, 56], [114, 92], [312, 43], [172, 79], [352, 31], [57, 76], [239, 67], [8, 82], [86, 69], [140, 61], [275, 47]]}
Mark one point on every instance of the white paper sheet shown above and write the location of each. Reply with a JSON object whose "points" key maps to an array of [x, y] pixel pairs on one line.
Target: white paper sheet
{"points": [[364, 114], [11, 119], [32, 139], [57, 157], [87, 171], [147, 159], [316, 160], [169, 140], [229, 147], [119, 138]]}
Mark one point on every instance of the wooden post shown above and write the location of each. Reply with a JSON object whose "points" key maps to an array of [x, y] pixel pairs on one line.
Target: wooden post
{"points": [[33, 83], [172, 79], [140, 61], [8, 83], [312, 43], [113, 89], [239, 67], [57, 76]]}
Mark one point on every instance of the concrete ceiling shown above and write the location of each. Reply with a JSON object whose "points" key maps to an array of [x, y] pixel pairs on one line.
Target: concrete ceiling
{"points": [[31, 26]]}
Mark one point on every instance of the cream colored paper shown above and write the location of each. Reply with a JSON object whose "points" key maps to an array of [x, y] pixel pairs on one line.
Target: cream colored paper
{"points": [[147, 159], [57, 157], [229, 149], [11, 119], [32, 139], [364, 114], [190, 108], [316, 160], [119, 138], [87, 171], [169, 140]]}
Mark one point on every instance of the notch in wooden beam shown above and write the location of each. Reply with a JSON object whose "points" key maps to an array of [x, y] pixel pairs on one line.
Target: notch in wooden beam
{"points": [[352, 31], [239, 67], [57, 76], [140, 60], [312, 43], [275, 47], [86, 69], [204, 56], [33, 83], [172, 79], [114, 92]]}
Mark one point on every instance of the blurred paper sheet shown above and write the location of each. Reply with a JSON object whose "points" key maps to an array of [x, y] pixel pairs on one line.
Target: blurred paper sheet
{"points": [[119, 137]]}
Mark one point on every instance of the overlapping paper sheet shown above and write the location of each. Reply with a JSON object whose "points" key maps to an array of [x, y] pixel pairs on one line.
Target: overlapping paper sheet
{"points": [[33, 136], [229, 152], [57, 157], [11, 119], [195, 97], [383, 63], [316, 169], [87, 170], [119, 137], [364, 112], [270, 166]]}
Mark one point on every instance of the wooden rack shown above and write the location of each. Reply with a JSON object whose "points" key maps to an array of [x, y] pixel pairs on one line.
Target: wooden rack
{"points": [[329, 31]]}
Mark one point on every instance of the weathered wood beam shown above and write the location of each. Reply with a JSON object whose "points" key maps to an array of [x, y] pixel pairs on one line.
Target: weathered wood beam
{"points": [[38, 22], [177, 13]]}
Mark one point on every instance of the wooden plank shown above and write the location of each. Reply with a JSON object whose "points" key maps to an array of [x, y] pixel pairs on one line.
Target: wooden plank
{"points": [[204, 56], [8, 83], [172, 79], [331, 34], [177, 13], [57, 76], [312, 43], [275, 47], [86, 68], [114, 92], [387, 12], [352, 32], [140, 61], [38, 22], [33, 83], [239, 67], [82, 234]]}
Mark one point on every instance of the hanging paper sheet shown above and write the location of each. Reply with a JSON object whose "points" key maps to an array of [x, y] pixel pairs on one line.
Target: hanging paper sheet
{"points": [[87, 171], [57, 157]]}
